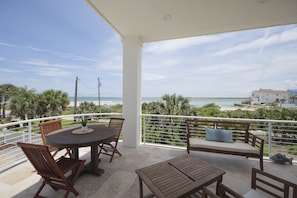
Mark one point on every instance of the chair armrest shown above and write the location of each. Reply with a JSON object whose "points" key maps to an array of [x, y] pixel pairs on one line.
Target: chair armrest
{"points": [[225, 192], [264, 181], [207, 193]]}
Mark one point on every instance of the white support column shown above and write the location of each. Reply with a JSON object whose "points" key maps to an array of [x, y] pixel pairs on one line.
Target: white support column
{"points": [[132, 54]]}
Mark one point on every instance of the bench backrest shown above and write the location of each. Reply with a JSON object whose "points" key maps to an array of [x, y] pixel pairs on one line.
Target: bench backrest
{"points": [[196, 128]]}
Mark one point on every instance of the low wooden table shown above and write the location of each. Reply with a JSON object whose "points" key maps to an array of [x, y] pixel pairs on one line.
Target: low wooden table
{"points": [[179, 177]]}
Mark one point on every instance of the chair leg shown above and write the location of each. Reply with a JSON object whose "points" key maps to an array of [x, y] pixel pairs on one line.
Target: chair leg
{"points": [[109, 151], [39, 190], [100, 146], [115, 150], [68, 152], [112, 156], [118, 152], [70, 187], [55, 153]]}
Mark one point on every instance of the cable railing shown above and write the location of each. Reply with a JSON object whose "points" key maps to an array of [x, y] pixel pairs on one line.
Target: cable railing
{"points": [[28, 131], [166, 130], [280, 136]]}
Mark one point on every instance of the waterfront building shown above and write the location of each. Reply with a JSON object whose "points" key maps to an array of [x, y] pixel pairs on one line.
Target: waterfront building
{"points": [[268, 96]]}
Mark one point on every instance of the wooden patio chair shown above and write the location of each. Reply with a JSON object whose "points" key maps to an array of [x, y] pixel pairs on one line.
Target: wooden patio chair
{"points": [[53, 171], [263, 185], [49, 127], [110, 148]]}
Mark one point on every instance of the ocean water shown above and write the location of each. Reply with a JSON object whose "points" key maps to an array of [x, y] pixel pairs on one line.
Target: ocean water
{"points": [[194, 101]]}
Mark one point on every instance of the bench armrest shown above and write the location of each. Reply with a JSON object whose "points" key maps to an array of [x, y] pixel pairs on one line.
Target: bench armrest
{"points": [[255, 141]]}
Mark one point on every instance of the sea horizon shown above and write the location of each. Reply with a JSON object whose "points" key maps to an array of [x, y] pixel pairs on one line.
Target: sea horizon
{"points": [[194, 101]]}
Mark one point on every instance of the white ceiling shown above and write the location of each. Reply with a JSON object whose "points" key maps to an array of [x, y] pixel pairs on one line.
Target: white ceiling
{"points": [[145, 18]]}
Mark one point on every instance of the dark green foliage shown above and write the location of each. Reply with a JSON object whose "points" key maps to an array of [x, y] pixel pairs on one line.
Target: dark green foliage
{"points": [[171, 130]]}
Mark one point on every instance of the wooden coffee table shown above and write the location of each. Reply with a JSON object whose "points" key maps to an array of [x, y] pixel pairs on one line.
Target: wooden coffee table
{"points": [[179, 177]]}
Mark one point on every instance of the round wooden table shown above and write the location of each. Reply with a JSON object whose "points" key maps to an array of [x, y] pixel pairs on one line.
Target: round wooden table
{"points": [[65, 138]]}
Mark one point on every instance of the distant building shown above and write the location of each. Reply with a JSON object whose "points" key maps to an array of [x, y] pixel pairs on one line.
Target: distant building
{"points": [[293, 96], [268, 96]]}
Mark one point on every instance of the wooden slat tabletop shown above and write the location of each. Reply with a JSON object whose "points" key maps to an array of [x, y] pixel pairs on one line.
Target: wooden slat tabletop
{"points": [[179, 177]]}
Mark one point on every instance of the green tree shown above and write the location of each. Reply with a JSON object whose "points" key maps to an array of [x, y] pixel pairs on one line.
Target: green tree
{"points": [[87, 107], [52, 102], [175, 105], [118, 108], [152, 108], [210, 109], [24, 103], [6, 92], [163, 132]]}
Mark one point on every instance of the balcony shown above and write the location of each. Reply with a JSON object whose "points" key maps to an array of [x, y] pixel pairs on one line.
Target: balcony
{"points": [[163, 137]]}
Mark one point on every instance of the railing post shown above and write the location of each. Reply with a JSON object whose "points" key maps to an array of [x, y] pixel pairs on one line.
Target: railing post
{"points": [[143, 129], [30, 131], [269, 139], [4, 135], [23, 136]]}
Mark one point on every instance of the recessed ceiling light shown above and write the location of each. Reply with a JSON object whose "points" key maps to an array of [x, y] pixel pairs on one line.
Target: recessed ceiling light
{"points": [[167, 17]]}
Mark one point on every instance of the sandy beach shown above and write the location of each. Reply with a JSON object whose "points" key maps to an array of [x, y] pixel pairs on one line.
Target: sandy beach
{"points": [[111, 103]]}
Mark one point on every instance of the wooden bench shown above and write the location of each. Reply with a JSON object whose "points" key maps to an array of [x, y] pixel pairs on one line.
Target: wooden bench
{"points": [[243, 143]]}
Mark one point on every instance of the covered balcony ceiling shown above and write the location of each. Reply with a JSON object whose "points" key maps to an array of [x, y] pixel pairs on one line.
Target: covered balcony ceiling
{"points": [[155, 20]]}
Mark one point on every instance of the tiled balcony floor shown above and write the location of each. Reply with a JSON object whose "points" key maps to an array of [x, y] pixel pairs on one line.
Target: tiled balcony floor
{"points": [[120, 179]]}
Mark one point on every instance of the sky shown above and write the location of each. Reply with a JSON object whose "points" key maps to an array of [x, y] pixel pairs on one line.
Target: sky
{"points": [[47, 44]]}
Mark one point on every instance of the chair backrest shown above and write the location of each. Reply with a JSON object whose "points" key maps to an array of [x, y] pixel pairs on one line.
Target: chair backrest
{"points": [[41, 159], [117, 123], [48, 127]]}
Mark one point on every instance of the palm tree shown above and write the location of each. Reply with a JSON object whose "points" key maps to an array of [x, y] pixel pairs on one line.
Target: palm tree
{"points": [[24, 103], [152, 107], [52, 103], [175, 105], [87, 107], [6, 92]]}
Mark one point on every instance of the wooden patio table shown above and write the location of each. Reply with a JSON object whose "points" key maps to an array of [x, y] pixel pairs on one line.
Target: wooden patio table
{"points": [[65, 138], [179, 177]]}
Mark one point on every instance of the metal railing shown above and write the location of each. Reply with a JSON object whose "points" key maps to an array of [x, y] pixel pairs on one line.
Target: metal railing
{"points": [[28, 131], [280, 136]]}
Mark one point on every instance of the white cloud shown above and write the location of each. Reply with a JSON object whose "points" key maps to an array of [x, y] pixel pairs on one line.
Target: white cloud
{"points": [[152, 77], [285, 36], [286, 57], [56, 53], [51, 72], [62, 54], [43, 63], [291, 84], [180, 44], [116, 74], [114, 63], [7, 44], [6, 70]]}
